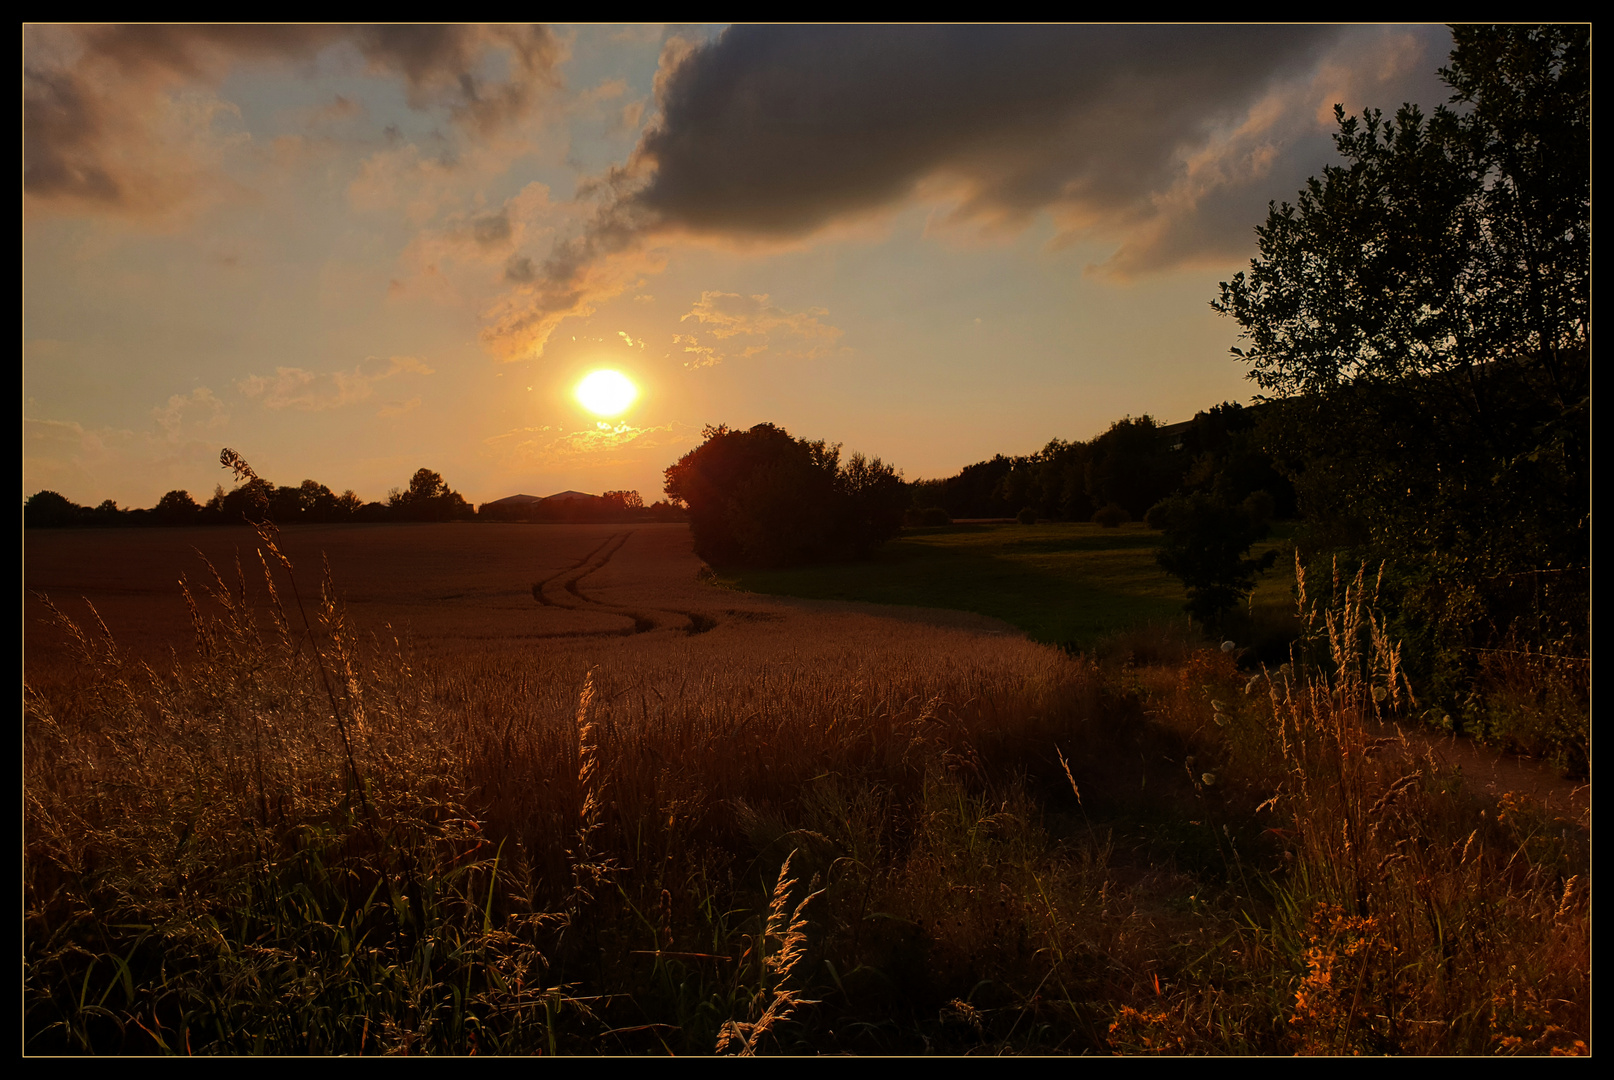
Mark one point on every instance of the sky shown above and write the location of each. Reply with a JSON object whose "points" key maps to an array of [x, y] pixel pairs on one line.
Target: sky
{"points": [[352, 252]]}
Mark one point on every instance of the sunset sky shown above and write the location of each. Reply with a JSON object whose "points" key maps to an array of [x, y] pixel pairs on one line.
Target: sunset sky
{"points": [[351, 252]]}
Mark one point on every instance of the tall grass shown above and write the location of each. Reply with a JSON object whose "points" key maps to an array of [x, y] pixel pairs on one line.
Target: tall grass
{"points": [[1400, 914], [305, 841]]}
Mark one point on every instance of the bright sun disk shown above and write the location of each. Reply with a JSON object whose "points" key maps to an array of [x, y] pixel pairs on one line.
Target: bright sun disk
{"points": [[606, 393]]}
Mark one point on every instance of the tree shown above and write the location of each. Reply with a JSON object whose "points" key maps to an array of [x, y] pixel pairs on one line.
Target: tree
{"points": [[107, 514], [49, 510], [1207, 544], [625, 501], [177, 508], [1225, 446], [1128, 467], [250, 502], [1425, 307], [872, 498], [429, 499], [765, 498], [426, 485]]}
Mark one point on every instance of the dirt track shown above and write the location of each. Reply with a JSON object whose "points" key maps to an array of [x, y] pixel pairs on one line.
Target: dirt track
{"points": [[448, 588], [462, 589]]}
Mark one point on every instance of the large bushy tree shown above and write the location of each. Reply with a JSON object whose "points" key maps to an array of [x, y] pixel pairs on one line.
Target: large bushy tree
{"points": [[429, 499], [1426, 307], [762, 497], [50, 510]]}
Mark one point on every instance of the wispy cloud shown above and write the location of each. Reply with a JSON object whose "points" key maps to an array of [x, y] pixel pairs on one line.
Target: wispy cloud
{"points": [[119, 119], [297, 388], [602, 446], [398, 408], [83, 461], [186, 412], [764, 325], [699, 356]]}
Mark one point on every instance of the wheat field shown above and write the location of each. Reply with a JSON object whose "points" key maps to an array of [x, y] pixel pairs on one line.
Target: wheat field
{"points": [[460, 789]]}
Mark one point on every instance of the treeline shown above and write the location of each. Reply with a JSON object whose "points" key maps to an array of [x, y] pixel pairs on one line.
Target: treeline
{"points": [[1123, 472], [427, 498]]}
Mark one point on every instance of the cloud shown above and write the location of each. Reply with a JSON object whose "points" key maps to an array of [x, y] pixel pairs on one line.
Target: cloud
{"points": [[86, 464], [572, 281], [66, 457], [1137, 136], [700, 356], [339, 110], [398, 408], [603, 445], [729, 315], [297, 388], [459, 257], [105, 128], [519, 269], [199, 408]]}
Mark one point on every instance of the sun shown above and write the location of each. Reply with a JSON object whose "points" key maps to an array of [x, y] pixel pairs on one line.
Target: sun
{"points": [[606, 393]]}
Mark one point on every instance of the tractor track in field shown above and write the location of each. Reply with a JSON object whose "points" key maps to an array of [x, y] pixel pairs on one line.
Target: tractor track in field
{"points": [[564, 590]]}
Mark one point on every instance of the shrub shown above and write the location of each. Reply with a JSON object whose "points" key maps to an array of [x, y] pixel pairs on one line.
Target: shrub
{"points": [[1112, 516], [1028, 516]]}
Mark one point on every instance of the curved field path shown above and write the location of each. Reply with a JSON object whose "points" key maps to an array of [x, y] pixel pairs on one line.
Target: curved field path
{"points": [[458, 592]]}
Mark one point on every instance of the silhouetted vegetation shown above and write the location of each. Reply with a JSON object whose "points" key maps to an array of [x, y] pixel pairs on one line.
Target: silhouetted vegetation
{"points": [[1111, 516], [761, 497], [427, 498], [1134, 464], [1421, 318], [1424, 312], [1207, 548]]}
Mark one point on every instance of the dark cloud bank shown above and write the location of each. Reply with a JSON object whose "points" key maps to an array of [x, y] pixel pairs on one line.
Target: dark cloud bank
{"points": [[776, 130], [773, 132]]}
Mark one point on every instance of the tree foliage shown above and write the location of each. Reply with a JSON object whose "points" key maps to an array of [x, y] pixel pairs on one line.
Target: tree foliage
{"points": [[1129, 464], [1207, 543], [50, 510], [429, 499], [1425, 306], [762, 497]]}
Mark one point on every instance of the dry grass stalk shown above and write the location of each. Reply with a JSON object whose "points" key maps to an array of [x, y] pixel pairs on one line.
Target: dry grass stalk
{"points": [[788, 929]]}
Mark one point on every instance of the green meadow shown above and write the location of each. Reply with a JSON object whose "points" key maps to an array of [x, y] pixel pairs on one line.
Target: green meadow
{"points": [[1065, 583]]}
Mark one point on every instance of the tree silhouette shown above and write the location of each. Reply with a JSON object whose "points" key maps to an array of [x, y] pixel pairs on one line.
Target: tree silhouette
{"points": [[428, 498], [1425, 306], [764, 498]]}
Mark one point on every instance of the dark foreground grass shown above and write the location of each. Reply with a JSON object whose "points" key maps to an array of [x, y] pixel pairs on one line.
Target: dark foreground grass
{"points": [[1064, 584]]}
